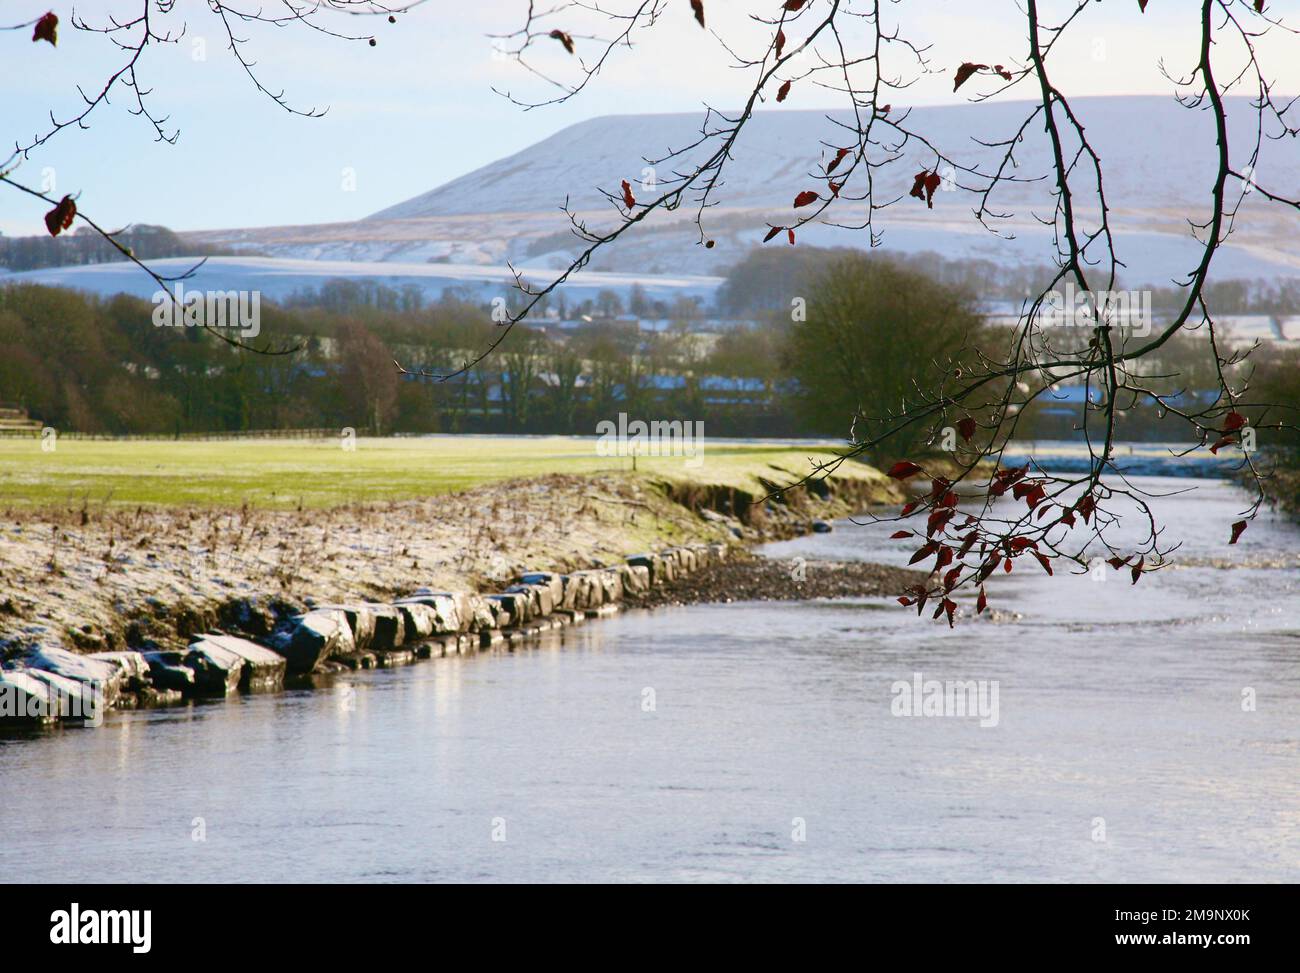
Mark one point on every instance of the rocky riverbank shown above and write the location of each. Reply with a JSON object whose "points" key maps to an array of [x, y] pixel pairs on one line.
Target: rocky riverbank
{"points": [[155, 621]]}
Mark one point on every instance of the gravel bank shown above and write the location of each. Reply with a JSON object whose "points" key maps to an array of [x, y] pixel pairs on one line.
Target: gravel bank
{"points": [[748, 577]]}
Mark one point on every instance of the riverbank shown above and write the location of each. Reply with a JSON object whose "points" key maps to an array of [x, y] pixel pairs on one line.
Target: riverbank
{"points": [[678, 745], [747, 577], [159, 597]]}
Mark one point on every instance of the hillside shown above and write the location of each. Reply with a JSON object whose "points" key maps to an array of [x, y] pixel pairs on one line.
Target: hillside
{"points": [[509, 210]]}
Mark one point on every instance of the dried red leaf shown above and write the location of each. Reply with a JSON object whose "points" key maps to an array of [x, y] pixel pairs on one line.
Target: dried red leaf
{"points": [[1044, 561], [628, 199], [967, 544], [1085, 506], [1237, 529], [967, 428], [903, 469], [563, 38], [805, 198], [982, 602], [793, 5], [926, 549], [938, 520], [790, 234], [780, 41], [964, 72], [949, 608], [839, 157], [773, 232], [782, 91], [1222, 441], [698, 7], [945, 557], [47, 29], [1233, 420], [1136, 570], [898, 535], [60, 218]]}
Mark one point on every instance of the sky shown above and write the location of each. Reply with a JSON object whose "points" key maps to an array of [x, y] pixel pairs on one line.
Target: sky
{"points": [[418, 108]]}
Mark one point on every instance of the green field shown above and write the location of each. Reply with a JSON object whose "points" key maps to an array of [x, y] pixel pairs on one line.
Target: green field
{"points": [[319, 473]]}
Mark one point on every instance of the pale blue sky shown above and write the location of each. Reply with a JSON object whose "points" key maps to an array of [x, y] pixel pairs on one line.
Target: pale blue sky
{"points": [[418, 110]]}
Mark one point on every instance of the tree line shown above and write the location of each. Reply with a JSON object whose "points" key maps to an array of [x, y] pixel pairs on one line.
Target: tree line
{"points": [[828, 344]]}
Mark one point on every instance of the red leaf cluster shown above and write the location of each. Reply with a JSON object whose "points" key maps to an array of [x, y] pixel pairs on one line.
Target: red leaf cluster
{"points": [[969, 68], [926, 182], [1003, 480], [47, 29]]}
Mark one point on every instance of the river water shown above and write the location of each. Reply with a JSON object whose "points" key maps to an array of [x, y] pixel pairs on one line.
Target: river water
{"points": [[740, 742]]}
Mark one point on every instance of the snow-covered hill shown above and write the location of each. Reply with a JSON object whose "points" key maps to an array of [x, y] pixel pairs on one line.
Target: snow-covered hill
{"points": [[1148, 145], [1158, 157]]}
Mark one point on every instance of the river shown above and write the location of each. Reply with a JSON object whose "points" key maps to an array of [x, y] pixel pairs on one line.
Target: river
{"points": [[741, 742]]}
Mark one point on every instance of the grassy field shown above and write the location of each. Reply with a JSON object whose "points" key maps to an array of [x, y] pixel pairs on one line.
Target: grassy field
{"points": [[319, 473]]}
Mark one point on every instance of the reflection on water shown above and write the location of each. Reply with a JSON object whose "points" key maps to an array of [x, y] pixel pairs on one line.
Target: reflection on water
{"points": [[1120, 708]]}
